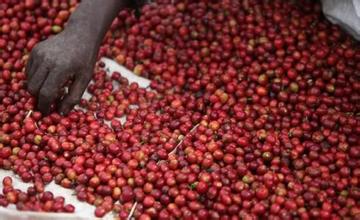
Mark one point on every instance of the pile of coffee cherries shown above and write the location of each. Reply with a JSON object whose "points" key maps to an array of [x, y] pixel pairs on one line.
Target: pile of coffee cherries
{"points": [[34, 199], [253, 113]]}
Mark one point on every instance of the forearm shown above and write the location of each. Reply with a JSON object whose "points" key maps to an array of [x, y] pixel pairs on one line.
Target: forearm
{"points": [[92, 18]]}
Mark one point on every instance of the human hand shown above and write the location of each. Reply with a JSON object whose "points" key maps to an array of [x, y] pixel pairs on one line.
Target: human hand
{"points": [[55, 61], [71, 55]]}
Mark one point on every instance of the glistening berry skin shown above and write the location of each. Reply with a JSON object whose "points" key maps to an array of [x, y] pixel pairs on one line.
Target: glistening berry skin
{"points": [[261, 109]]}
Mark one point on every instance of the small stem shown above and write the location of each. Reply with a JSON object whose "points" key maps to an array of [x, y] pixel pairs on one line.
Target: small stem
{"points": [[178, 145], [132, 211], [28, 114]]}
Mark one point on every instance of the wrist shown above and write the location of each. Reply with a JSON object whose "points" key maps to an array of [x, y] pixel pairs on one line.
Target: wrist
{"points": [[92, 18], [84, 31]]}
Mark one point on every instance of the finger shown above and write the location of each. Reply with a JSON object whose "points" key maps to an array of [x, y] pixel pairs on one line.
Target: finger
{"points": [[76, 91], [33, 63], [37, 79], [50, 89], [28, 70]]}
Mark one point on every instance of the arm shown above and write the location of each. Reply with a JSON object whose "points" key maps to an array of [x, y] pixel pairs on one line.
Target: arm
{"points": [[71, 54], [93, 18]]}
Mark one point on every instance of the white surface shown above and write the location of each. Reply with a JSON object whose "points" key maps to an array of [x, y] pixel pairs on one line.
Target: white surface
{"points": [[82, 209], [345, 13], [112, 66]]}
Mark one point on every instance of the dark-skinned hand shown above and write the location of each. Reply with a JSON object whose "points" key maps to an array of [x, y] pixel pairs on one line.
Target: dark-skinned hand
{"points": [[71, 55], [53, 62]]}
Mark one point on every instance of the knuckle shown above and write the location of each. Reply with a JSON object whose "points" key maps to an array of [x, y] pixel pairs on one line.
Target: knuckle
{"points": [[61, 64], [49, 61], [72, 101], [45, 93], [31, 89]]}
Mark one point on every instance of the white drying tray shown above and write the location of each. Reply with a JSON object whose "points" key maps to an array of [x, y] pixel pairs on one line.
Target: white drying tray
{"points": [[82, 209]]}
